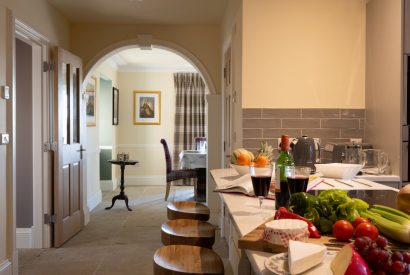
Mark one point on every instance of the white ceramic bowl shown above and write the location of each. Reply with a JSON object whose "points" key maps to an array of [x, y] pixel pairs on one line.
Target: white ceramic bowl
{"points": [[338, 170], [241, 169]]}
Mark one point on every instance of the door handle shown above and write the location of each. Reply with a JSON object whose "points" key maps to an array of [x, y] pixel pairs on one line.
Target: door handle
{"points": [[81, 152]]}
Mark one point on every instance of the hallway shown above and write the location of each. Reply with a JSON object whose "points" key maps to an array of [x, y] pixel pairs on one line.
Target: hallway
{"points": [[115, 241]]}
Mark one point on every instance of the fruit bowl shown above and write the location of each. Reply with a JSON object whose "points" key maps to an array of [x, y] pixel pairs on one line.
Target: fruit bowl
{"points": [[338, 170], [241, 169]]}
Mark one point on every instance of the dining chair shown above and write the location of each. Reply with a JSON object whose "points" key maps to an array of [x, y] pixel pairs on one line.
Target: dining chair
{"points": [[173, 175]]}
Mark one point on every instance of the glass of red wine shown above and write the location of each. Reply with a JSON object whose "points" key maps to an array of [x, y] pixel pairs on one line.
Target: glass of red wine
{"points": [[298, 178], [261, 176]]}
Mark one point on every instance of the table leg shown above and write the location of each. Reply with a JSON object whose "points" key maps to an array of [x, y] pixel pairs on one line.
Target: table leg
{"points": [[121, 195], [201, 184]]}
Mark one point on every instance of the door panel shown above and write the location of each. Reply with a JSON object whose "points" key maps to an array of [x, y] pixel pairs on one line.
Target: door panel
{"points": [[69, 163]]}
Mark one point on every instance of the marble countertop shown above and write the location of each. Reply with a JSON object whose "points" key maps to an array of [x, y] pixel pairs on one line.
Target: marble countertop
{"points": [[244, 209]]}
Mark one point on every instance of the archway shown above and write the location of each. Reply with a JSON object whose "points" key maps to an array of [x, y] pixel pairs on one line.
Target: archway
{"points": [[148, 42]]}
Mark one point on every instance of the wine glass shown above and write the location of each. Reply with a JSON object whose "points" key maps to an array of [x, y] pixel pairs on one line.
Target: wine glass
{"points": [[297, 178], [261, 176]]}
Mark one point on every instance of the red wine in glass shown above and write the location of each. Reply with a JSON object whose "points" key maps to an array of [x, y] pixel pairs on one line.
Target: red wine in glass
{"points": [[297, 184], [261, 185]]}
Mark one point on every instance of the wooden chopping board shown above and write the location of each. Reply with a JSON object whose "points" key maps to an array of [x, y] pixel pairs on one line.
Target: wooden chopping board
{"points": [[253, 241]]}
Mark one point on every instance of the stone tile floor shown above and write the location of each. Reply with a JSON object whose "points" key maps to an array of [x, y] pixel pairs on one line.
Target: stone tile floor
{"points": [[115, 241]]}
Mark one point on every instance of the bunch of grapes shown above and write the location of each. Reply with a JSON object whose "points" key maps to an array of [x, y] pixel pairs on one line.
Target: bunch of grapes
{"points": [[380, 259]]}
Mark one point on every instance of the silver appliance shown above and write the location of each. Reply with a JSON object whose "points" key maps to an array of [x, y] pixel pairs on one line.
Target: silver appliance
{"points": [[336, 152]]}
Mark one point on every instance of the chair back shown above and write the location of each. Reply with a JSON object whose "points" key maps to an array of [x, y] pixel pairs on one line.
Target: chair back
{"points": [[167, 156]]}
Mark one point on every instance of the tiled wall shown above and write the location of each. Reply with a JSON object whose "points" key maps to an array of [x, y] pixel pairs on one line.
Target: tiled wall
{"points": [[330, 125]]}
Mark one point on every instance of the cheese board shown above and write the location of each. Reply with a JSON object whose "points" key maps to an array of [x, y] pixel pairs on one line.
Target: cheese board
{"points": [[254, 241]]}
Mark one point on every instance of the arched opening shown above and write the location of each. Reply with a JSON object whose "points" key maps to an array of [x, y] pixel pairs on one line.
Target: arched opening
{"points": [[126, 145]]}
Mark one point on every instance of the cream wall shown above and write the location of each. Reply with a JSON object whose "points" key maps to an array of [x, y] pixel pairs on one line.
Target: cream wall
{"points": [[384, 77], [203, 41], [300, 53], [142, 142], [93, 144], [39, 15]]}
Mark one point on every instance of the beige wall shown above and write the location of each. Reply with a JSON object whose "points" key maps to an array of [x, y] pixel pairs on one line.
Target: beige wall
{"points": [[384, 77], [39, 15], [203, 41], [93, 144], [303, 54], [142, 142]]}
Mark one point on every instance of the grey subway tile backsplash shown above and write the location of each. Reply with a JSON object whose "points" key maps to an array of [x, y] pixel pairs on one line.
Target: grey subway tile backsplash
{"points": [[320, 113], [261, 123], [252, 113], [300, 123], [280, 113], [327, 124]]}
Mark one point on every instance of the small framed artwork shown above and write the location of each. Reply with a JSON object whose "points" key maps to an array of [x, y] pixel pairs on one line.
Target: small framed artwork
{"points": [[90, 106], [115, 105], [147, 107]]}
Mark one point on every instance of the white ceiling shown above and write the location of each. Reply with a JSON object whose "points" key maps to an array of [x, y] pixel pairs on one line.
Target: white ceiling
{"points": [[142, 11], [155, 60]]}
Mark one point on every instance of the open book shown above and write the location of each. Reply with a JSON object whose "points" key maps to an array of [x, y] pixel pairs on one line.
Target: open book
{"points": [[237, 184]]}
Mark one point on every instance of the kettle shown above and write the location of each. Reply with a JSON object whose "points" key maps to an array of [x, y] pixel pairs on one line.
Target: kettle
{"points": [[304, 151]]}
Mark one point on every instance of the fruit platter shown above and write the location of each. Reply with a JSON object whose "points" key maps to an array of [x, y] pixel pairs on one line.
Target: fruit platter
{"points": [[241, 158], [338, 235]]}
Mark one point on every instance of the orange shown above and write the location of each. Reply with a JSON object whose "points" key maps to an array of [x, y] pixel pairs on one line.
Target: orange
{"points": [[261, 160], [242, 159]]}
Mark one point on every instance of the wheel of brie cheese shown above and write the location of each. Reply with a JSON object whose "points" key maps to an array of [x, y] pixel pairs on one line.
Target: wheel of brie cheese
{"points": [[279, 232]]}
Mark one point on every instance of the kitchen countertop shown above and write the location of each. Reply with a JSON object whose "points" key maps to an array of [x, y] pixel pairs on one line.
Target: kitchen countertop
{"points": [[244, 209]]}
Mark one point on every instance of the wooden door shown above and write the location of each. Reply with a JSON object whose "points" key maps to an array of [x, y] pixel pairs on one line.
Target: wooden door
{"points": [[69, 135]]}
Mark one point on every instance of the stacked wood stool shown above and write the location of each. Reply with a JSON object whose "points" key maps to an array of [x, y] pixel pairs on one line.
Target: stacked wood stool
{"points": [[188, 240]]}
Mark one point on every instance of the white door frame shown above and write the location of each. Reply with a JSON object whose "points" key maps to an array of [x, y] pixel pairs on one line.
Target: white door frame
{"points": [[42, 164]]}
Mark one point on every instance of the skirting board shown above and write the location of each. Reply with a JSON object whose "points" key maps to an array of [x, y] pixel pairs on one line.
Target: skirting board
{"points": [[24, 237], [94, 200], [144, 180], [6, 268], [107, 185]]}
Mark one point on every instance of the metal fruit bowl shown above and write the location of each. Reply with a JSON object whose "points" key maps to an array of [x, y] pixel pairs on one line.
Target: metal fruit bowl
{"points": [[338, 170]]}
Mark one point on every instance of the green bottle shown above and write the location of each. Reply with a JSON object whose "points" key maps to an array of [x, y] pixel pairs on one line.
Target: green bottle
{"points": [[282, 193]]}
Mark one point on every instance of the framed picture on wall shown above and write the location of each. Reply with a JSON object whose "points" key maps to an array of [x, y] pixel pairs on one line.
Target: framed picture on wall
{"points": [[91, 95], [147, 107], [115, 105]]}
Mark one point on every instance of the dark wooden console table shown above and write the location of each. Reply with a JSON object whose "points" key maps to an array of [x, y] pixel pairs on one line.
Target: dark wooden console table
{"points": [[121, 195]]}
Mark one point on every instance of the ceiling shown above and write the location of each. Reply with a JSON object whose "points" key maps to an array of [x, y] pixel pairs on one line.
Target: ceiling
{"points": [[155, 60], [142, 11]]}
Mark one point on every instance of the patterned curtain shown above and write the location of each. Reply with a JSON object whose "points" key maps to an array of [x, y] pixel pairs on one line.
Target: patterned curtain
{"points": [[190, 112]]}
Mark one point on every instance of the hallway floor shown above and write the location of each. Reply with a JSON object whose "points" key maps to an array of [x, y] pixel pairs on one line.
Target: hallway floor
{"points": [[115, 241]]}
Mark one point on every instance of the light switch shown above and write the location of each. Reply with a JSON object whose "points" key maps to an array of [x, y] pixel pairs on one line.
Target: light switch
{"points": [[4, 139], [5, 92]]}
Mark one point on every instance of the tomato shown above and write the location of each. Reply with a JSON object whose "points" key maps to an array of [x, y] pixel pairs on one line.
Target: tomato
{"points": [[367, 229], [343, 230], [359, 220]]}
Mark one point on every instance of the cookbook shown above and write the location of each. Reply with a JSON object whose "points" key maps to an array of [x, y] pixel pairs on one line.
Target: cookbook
{"points": [[237, 184]]}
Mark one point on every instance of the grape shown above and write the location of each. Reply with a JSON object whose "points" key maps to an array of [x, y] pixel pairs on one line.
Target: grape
{"points": [[381, 241], [406, 257], [397, 256], [397, 266], [360, 243], [372, 255], [382, 256]]}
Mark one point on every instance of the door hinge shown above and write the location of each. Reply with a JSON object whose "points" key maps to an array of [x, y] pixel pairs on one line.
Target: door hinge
{"points": [[49, 219], [48, 147], [48, 66]]}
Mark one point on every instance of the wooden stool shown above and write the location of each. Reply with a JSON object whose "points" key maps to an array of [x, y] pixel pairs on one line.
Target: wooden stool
{"points": [[187, 210], [186, 259], [189, 232]]}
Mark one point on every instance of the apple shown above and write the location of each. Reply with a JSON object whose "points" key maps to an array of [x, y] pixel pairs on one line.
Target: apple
{"points": [[348, 261]]}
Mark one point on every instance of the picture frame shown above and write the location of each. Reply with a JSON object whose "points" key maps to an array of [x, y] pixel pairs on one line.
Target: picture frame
{"points": [[91, 101], [115, 105], [147, 107]]}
